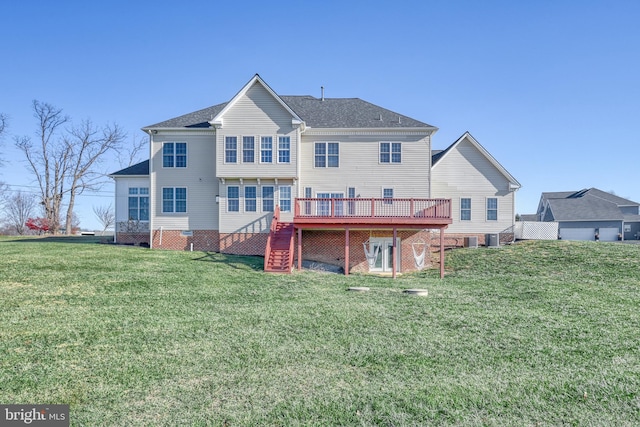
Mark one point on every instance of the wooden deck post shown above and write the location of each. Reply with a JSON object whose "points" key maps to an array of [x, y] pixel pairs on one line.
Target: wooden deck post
{"points": [[299, 249], [442, 252], [346, 251], [394, 252]]}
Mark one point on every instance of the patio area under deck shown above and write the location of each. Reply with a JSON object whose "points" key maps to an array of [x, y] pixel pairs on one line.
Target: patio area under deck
{"points": [[378, 214]]}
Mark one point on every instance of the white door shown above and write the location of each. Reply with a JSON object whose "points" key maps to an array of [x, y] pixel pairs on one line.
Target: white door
{"points": [[577, 233], [609, 234], [384, 249]]}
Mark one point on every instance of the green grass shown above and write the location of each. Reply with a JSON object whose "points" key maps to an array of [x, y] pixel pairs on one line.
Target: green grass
{"points": [[533, 334]]}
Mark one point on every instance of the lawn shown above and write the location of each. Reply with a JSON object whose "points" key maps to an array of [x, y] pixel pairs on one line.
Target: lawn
{"points": [[533, 334]]}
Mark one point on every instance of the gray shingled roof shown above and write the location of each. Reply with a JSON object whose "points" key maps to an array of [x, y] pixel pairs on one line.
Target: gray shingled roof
{"points": [[589, 204], [585, 208], [317, 113], [141, 168]]}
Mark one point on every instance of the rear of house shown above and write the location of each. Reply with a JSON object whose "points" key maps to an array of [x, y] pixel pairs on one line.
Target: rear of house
{"points": [[353, 179]]}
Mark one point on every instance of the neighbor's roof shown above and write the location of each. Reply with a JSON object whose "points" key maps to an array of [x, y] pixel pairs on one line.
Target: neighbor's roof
{"points": [[141, 168], [317, 113], [589, 204]]}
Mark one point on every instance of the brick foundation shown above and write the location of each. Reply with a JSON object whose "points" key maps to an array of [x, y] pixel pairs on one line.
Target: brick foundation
{"points": [[137, 239], [203, 240]]}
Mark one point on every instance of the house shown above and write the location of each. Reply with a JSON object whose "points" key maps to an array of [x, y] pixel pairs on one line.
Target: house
{"points": [[335, 180], [590, 214]]}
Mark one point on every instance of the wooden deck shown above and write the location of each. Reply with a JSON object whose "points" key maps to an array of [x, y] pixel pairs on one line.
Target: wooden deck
{"points": [[368, 213]]}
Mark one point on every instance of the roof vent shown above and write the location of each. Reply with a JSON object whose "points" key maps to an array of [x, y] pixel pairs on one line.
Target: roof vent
{"points": [[380, 117], [399, 121], [322, 93]]}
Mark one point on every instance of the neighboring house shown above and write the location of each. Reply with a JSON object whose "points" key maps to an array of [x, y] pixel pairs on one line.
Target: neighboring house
{"points": [[336, 180], [482, 191], [590, 214]]}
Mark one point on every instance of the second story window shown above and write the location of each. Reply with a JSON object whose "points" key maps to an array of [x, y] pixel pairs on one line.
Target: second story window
{"points": [[231, 149], [284, 149], [326, 154], [266, 149], [174, 155], [248, 149], [387, 194], [390, 152]]}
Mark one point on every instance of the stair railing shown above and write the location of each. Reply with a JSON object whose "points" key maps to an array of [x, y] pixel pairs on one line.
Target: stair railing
{"points": [[272, 230]]}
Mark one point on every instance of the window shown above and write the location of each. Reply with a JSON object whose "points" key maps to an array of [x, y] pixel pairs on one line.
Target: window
{"points": [[327, 154], [390, 152], [465, 209], [266, 149], [308, 193], [233, 199], [492, 209], [231, 149], [285, 198], [250, 195], [139, 204], [284, 150], [387, 193], [174, 199], [248, 149], [267, 198], [174, 154]]}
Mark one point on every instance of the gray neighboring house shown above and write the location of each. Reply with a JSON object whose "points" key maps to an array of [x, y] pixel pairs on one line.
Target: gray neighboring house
{"points": [[591, 214]]}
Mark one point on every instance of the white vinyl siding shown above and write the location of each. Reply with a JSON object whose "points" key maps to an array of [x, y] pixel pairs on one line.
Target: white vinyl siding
{"points": [[466, 173], [360, 166], [199, 178], [259, 115]]}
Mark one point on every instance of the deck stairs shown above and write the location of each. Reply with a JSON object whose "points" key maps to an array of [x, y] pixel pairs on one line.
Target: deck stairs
{"points": [[278, 257]]}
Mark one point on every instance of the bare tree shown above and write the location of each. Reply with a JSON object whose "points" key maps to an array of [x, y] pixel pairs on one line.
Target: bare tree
{"points": [[19, 207], [105, 215], [66, 165], [130, 153], [48, 160], [4, 122], [87, 145]]}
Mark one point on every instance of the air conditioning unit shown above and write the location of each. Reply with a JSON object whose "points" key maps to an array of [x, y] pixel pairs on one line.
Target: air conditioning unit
{"points": [[471, 242], [492, 240]]}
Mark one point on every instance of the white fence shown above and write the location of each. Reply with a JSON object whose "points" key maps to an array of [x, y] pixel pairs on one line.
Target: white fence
{"points": [[531, 230]]}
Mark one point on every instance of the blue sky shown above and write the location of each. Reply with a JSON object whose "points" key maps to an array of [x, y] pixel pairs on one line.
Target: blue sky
{"points": [[550, 88]]}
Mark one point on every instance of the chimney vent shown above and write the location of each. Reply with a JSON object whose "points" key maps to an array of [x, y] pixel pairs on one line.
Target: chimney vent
{"points": [[322, 93]]}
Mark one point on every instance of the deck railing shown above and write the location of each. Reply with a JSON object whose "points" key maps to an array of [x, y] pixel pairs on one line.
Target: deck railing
{"points": [[372, 208]]}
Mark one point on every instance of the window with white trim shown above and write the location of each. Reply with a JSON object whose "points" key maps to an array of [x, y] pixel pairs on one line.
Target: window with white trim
{"points": [[248, 149], [465, 209], [390, 152], [284, 150], [231, 149], [174, 155], [284, 195], [267, 198], [326, 155], [266, 149], [250, 198], [492, 209], [233, 198], [139, 204], [174, 199], [351, 194]]}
